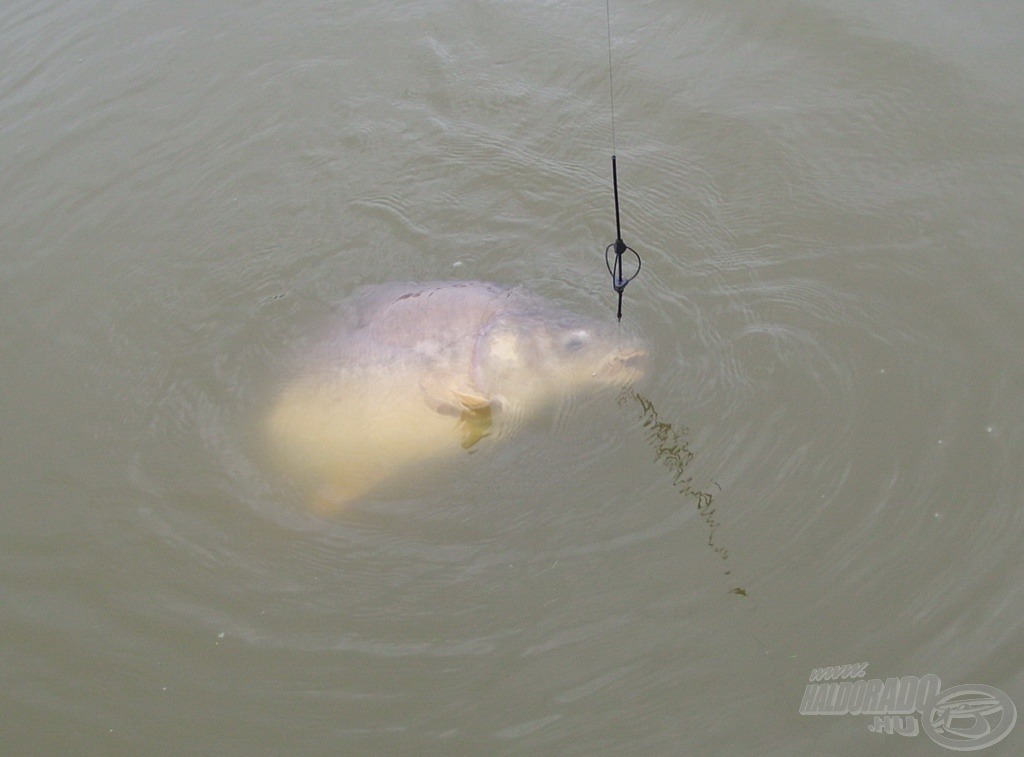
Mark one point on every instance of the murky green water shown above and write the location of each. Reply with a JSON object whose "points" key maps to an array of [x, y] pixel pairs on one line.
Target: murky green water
{"points": [[823, 468]]}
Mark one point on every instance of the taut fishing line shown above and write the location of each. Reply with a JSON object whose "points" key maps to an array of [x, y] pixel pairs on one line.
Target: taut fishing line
{"points": [[618, 247], [671, 446]]}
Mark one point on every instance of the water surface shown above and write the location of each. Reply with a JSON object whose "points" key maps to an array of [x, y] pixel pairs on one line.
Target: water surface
{"points": [[823, 467]]}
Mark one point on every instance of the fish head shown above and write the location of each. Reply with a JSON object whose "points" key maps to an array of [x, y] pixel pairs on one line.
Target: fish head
{"points": [[527, 355]]}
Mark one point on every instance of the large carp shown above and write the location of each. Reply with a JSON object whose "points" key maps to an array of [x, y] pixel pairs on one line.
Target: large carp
{"points": [[418, 371]]}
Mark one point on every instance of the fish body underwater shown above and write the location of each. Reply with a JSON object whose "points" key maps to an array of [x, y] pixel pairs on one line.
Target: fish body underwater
{"points": [[416, 372]]}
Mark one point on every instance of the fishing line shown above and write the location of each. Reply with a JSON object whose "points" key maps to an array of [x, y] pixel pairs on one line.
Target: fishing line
{"points": [[611, 84], [615, 269]]}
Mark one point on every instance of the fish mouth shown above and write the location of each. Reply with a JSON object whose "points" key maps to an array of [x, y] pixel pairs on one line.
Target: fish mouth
{"points": [[625, 366]]}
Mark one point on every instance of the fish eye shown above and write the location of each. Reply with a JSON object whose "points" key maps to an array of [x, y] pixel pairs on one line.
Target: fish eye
{"points": [[576, 340]]}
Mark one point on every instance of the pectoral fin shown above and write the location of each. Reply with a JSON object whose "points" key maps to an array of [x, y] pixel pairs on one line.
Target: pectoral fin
{"points": [[472, 403], [475, 416], [473, 411], [444, 399]]}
